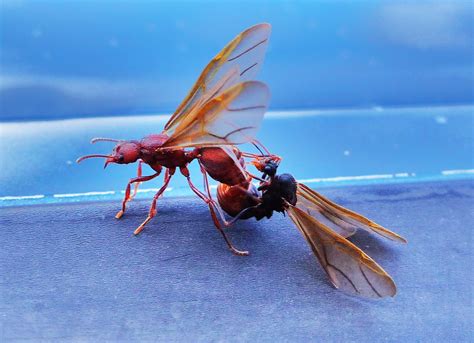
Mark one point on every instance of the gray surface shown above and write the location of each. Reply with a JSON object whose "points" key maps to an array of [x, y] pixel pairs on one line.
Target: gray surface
{"points": [[73, 272]]}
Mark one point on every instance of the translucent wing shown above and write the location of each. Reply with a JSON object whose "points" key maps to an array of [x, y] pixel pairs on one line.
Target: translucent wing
{"points": [[348, 267], [343, 221], [244, 54], [227, 81], [231, 118]]}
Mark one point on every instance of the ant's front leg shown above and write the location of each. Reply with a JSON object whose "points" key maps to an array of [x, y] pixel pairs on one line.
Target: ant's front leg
{"points": [[168, 174], [136, 180]]}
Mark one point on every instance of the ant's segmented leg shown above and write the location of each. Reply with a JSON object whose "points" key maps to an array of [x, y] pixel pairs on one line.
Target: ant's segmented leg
{"points": [[230, 223], [139, 174], [255, 177], [239, 215], [225, 222], [211, 205], [127, 197], [207, 189], [168, 174]]}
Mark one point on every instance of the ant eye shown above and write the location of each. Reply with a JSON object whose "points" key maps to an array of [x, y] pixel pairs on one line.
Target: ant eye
{"points": [[121, 158]]}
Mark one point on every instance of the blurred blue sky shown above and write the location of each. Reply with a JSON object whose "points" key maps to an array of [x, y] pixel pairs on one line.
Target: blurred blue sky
{"points": [[90, 58]]}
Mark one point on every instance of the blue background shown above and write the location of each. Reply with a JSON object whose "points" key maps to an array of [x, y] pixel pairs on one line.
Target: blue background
{"points": [[86, 58], [379, 89]]}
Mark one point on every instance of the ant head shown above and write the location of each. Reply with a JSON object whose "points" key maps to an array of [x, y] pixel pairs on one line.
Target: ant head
{"points": [[124, 152], [288, 187], [267, 165]]}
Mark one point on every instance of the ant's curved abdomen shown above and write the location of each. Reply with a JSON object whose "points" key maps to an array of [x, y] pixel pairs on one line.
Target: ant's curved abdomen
{"points": [[222, 167], [234, 199]]}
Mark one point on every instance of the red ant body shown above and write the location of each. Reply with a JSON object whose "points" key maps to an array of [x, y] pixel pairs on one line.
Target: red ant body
{"points": [[218, 162], [224, 108]]}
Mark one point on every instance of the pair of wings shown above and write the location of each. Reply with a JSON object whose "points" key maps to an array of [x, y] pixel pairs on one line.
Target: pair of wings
{"points": [[347, 266], [224, 107]]}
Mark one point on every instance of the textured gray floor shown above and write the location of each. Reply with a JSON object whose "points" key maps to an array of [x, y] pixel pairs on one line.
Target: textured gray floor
{"points": [[73, 272]]}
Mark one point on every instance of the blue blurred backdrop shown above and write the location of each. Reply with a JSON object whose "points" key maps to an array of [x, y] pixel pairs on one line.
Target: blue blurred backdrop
{"points": [[363, 92], [86, 58]]}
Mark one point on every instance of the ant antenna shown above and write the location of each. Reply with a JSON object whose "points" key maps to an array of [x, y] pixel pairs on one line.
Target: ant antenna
{"points": [[258, 148], [80, 159], [261, 145]]}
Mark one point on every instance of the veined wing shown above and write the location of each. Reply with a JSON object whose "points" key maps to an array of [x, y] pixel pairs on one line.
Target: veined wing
{"points": [[233, 117], [348, 267], [342, 220], [245, 53], [224, 83]]}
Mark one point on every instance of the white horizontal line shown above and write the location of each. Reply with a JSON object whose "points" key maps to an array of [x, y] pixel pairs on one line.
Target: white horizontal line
{"points": [[457, 171], [402, 175], [150, 190], [22, 197], [351, 111], [71, 195], [348, 178], [312, 180]]}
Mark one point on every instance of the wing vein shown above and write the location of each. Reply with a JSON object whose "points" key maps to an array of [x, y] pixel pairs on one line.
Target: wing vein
{"points": [[338, 270], [247, 69], [249, 49], [325, 258], [245, 108], [230, 133], [370, 283]]}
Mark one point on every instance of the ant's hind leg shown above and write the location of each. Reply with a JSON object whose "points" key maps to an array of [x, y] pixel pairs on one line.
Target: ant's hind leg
{"points": [[207, 189], [168, 174], [211, 205], [129, 197]]}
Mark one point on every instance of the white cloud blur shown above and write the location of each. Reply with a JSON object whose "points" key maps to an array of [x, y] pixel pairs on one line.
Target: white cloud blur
{"points": [[30, 95], [77, 86], [427, 24]]}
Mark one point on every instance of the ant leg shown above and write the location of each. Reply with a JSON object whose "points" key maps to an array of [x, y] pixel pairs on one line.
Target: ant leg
{"points": [[168, 174], [226, 223], [207, 189], [257, 200], [211, 205], [139, 174], [255, 177], [241, 213], [127, 197]]}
